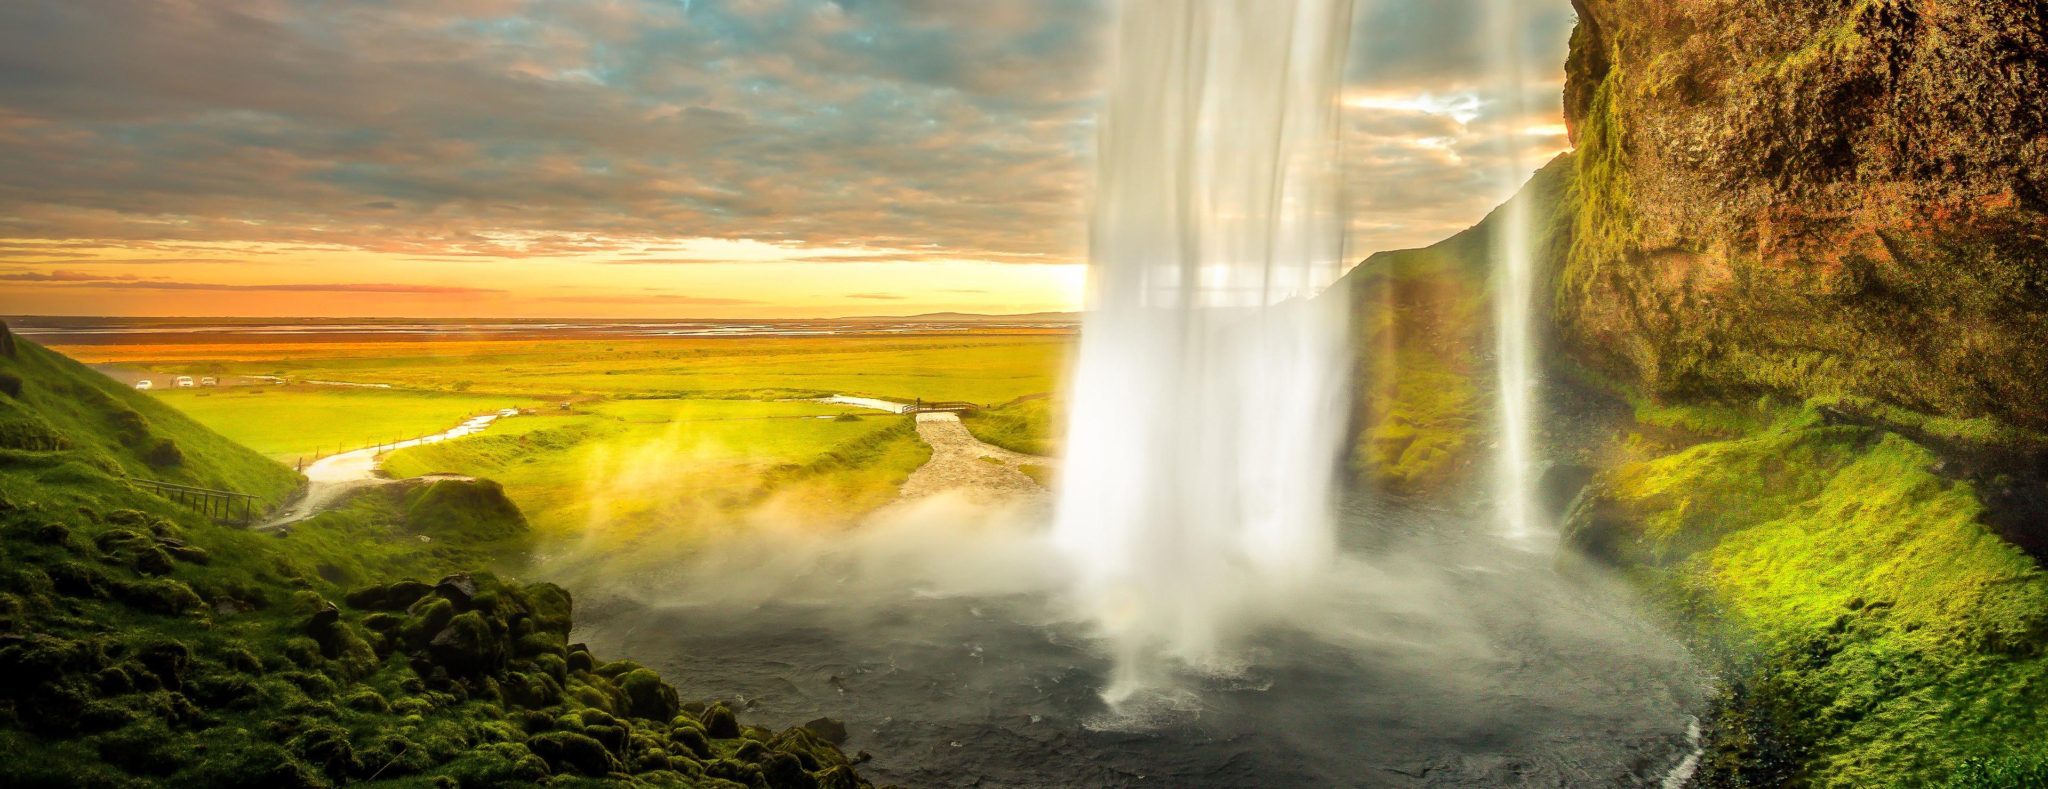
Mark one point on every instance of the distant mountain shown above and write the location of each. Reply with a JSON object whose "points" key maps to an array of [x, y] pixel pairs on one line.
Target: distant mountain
{"points": [[972, 317]]}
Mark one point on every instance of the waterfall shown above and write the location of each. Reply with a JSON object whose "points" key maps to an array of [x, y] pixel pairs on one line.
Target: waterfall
{"points": [[1514, 284], [1208, 393]]}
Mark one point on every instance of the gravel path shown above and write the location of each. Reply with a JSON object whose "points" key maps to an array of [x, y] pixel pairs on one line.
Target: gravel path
{"points": [[330, 479], [962, 464]]}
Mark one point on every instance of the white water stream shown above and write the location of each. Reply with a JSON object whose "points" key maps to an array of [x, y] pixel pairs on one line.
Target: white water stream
{"points": [[1514, 283], [1198, 484]]}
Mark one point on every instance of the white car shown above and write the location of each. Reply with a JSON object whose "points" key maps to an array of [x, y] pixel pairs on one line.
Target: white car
{"points": [[184, 382], [144, 385], [209, 381]]}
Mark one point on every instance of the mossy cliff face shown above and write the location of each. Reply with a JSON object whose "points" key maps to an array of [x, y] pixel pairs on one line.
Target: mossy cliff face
{"points": [[1422, 331], [1814, 198]]}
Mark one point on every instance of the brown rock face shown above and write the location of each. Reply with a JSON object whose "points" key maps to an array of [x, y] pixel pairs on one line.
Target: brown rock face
{"points": [[1814, 197]]}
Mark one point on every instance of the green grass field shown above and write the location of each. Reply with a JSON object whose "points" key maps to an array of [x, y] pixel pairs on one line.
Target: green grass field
{"points": [[290, 423], [1029, 426], [633, 444], [991, 368], [640, 478]]}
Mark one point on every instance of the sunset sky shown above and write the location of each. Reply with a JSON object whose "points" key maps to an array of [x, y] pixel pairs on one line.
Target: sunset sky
{"points": [[643, 158]]}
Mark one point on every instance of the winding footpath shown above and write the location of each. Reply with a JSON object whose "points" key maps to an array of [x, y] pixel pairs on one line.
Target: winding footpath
{"points": [[332, 478], [960, 464]]}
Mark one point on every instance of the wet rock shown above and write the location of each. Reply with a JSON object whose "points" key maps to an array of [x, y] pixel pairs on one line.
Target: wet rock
{"points": [[784, 771], [690, 739], [1599, 528], [580, 658], [572, 752], [1559, 485], [734, 771], [719, 723], [618, 668], [827, 729], [838, 777], [387, 597], [459, 589], [426, 619], [647, 696], [551, 606], [467, 646]]}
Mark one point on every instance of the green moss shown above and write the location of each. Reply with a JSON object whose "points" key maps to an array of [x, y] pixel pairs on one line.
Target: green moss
{"points": [[1599, 196], [1426, 425], [1896, 636], [1983, 431], [473, 510]]}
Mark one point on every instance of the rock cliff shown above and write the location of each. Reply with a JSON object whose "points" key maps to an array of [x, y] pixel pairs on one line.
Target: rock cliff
{"points": [[1814, 198]]}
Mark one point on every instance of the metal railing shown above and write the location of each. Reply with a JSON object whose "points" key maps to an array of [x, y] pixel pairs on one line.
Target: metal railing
{"points": [[225, 506]]}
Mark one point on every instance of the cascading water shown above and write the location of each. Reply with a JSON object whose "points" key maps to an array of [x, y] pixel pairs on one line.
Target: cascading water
{"points": [[1514, 285], [1207, 404]]}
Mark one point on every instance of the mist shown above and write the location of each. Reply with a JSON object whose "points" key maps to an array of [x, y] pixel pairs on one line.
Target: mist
{"points": [[945, 634]]}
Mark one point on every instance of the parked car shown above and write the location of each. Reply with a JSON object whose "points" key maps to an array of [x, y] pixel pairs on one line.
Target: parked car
{"points": [[144, 385], [184, 382], [209, 381]]}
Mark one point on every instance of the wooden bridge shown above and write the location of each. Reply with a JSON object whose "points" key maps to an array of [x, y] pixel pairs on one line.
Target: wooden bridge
{"points": [[942, 406], [224, 506]]}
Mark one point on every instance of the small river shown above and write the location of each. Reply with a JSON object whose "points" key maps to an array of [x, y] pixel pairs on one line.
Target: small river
{"points": [[1439, 656]]}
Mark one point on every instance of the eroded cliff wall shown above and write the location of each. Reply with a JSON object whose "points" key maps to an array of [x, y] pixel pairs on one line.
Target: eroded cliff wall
{"points": [[1814, 198]]}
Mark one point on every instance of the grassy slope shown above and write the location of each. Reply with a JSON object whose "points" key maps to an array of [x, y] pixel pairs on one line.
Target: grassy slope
{"points": [[1880, 634], [972, 367], [143, 645], [287, 423], [105, 428]]}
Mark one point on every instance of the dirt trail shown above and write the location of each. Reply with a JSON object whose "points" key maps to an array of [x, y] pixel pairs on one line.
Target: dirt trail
{"points": [[963, 465], [330, 479]]}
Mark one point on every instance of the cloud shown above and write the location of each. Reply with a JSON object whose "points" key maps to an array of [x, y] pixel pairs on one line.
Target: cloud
{"points": [[651, 298], [876, 296], [60, 276], [77, 279], [516, 129]]}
